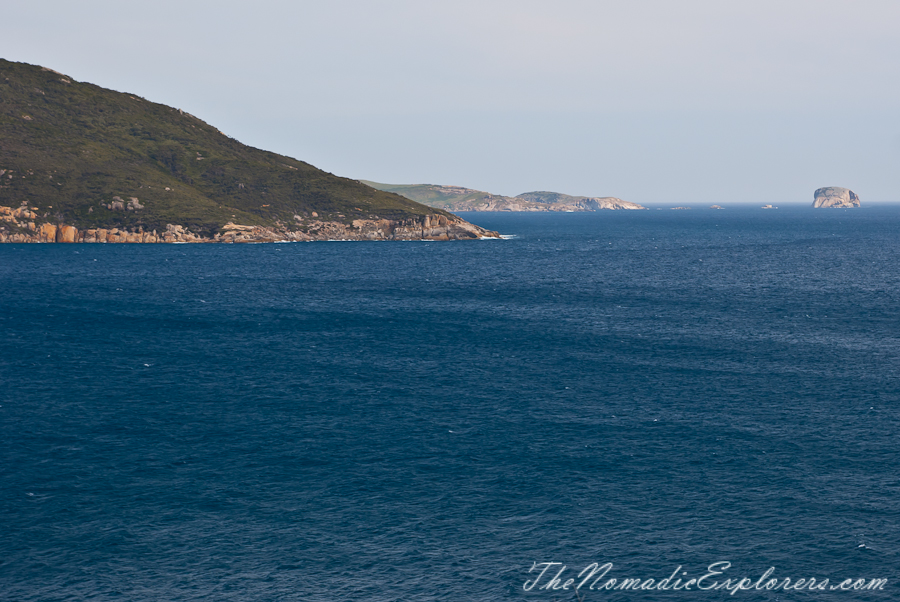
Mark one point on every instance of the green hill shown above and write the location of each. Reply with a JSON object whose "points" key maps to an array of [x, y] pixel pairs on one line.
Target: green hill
{"points": [[76, 153]]}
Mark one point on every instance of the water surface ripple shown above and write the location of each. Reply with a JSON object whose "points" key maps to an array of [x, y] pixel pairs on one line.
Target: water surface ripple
{"points": [[423, 421]]}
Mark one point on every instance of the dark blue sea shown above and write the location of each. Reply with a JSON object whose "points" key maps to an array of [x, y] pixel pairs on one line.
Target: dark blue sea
{"points": [[433, 421]]}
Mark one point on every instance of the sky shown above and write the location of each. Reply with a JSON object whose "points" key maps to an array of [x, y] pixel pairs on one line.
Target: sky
{"points": [[650, 101]]}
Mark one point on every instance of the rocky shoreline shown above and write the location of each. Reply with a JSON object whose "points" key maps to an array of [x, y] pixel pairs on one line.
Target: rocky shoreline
{"points": [[430, 227]]}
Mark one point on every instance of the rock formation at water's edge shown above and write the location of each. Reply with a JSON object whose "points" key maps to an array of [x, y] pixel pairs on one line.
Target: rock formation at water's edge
{"points": [[434, 227], [835, 197]]}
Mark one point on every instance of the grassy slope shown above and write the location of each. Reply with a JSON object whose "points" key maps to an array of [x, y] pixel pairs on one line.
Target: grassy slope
{"points": [[84, 144]]}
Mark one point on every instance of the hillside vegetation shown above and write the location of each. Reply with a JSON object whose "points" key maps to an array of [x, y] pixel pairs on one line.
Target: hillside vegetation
{"points": [[79, 154]]}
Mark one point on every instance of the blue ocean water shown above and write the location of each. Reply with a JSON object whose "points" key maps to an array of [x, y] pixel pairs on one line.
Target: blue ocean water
{"points": [[426, 421]]}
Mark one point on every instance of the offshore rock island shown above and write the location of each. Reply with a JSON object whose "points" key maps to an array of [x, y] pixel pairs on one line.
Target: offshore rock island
{"points": [[457, 198], [81, 163], [835, 197]]}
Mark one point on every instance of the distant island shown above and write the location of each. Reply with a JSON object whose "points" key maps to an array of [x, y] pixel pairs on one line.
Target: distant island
{"points": [[835, 197], [81, 163], [457, 198]]}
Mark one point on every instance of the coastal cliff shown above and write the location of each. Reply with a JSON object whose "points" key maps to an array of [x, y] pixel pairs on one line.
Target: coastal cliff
{"points": [[835, 197], [81, 163]]}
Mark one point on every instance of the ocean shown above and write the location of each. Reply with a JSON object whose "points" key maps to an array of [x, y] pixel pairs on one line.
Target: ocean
{"points": [[664, 391]]}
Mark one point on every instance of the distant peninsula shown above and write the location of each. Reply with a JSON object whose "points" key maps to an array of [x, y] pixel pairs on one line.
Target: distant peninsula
{"points": [[81, 163], [457, 198], [835, 197]]}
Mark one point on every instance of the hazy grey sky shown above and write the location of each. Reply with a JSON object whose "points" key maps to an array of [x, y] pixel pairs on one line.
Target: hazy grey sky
{"points": [[651, 101]]}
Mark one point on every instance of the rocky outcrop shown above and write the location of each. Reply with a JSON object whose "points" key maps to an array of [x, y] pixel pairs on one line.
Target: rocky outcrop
{"points": [[66, 233], [429, 227], [47, 233], [118, 204], [835, 197], [9, 214]]}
